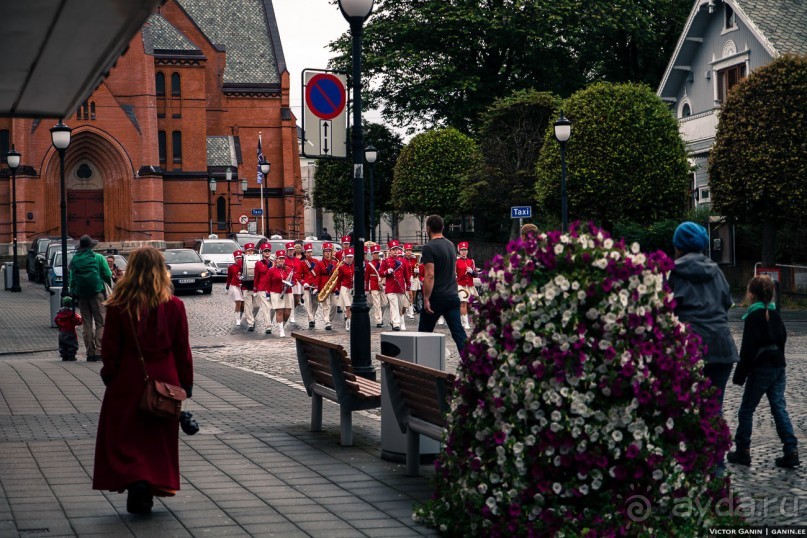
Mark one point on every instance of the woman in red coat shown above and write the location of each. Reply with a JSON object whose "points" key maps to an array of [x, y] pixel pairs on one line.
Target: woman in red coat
{"points": [[135, 451]]}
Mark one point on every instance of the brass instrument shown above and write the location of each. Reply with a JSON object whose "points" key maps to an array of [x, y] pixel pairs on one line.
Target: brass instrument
{"points": [[329, 287], [465, 292]]}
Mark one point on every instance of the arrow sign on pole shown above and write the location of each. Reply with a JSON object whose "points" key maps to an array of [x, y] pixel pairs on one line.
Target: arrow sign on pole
{"points": [[325, 137]]}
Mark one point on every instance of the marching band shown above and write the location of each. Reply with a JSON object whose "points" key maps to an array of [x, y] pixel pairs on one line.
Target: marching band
{"points": [[274, 285]]}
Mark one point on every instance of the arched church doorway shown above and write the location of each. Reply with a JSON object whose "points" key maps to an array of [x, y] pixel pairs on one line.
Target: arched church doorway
{"points": [[85, 201]]}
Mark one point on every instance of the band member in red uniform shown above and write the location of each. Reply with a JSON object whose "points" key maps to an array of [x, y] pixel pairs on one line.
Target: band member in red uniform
{"points": [[279, 286], [414, 283], [251, 301], [466, 271], [396, 271], [262, 286], [345, 284], [294, 256], [339, 256], [324, 269], [308, 278], [374, 285], [233, 285]]}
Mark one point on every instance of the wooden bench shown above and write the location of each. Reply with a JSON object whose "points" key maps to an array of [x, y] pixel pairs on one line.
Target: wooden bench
{"points": [[328, 373], [419, 397]]}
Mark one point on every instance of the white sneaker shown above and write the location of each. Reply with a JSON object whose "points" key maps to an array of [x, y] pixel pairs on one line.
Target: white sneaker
{"points": [[237, 322], [347, 324], [292, 319], [466, 325], [403, 324], [282, 331], [441, 321]]}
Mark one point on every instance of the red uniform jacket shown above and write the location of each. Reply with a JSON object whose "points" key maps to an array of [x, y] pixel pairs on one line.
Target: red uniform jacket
{"points": [[293, 263], [262, 275], [371, 276], [131, 445], [275, 277], [323, 270], [234, 274], [464, 278], [346, 272], [421, 272], [397, 280], [305, 272], [412, 262]]}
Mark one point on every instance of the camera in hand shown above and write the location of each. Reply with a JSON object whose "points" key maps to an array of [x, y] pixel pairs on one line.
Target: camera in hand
{"points": [[188, 423]]}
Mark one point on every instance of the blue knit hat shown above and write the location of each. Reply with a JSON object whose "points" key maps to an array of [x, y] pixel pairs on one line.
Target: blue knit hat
{"points": [[690, 237]]}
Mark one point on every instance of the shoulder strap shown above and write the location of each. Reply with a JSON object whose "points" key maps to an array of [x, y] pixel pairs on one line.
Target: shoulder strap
{"points": [[137, 345]]}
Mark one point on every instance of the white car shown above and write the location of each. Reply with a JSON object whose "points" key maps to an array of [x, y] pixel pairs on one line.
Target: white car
{"points": [[217, 254]]}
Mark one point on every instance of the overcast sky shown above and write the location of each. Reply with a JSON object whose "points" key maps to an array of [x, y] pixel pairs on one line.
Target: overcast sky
{"points": [[306, 28]]}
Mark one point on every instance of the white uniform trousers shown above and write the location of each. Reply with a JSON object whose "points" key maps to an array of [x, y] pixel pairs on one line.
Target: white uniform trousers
{"points": [[329, 309], [311, 305], [396, 302], [252, 302], [377, 298], [266, 309]]}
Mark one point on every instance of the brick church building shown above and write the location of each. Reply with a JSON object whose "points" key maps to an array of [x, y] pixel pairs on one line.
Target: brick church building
{"points": [[188, 99]]}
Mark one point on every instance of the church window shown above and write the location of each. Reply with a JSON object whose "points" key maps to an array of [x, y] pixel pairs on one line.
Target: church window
{"points": [[160, 85], [176, 88]]}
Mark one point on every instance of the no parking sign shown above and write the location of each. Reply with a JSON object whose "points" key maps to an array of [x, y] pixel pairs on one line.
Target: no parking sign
{"points": [[324, 114]]}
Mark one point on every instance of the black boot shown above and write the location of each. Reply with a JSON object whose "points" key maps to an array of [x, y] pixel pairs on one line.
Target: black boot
{"points": [[140, 499], [789, 460], [740, 457]]}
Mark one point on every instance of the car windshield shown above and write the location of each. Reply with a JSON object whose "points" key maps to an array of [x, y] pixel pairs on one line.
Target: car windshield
{"points": [[181, 256], [57, 260], [222, 247], [243, 239], [42, 246]]}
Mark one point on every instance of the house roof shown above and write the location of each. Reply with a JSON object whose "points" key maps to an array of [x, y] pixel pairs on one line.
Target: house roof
{"points": [[221, 151], [248, 31], [159, 34], [782, 22], [780, 25]]}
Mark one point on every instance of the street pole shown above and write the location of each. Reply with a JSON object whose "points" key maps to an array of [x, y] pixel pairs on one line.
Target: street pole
{"points": [[60, 137], [360, 324], [563, 210], [370, 155], [13, 160]]}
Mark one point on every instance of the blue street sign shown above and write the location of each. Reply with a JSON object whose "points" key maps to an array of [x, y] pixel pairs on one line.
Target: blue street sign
{"points": [[521, 212], [257, 212]]}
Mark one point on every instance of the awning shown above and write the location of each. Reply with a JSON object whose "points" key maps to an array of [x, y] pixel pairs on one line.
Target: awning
{"points": [[54, 53]]}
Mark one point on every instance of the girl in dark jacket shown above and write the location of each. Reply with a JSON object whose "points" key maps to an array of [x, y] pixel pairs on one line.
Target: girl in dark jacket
{"points": [[762, 369]]}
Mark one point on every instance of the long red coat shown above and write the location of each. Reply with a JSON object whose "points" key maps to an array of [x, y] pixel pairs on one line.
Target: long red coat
{"points": [[130, 445]]}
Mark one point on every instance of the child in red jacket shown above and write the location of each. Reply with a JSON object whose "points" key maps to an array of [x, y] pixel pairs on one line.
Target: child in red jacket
{"points": [[67, 320]]}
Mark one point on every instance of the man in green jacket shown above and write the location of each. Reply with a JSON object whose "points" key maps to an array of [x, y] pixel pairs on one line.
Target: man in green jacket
{"points": [[89, 272]]}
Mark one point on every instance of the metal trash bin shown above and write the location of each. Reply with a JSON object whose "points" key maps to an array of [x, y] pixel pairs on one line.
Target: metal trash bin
{"points": [[8, 267], [426, 349], [55, 304]]}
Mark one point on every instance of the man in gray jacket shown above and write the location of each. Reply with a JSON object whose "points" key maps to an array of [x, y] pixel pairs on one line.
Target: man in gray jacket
{"points": [[702, 299]]}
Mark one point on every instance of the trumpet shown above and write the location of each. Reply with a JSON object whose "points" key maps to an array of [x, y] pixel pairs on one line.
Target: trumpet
{"points": [[330, 285]]}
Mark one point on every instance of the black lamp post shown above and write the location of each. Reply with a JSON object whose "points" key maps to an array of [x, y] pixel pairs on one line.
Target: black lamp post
{"points": [[13, 160], [370, 155], [60, 137], [356, 12], [563, 130]]}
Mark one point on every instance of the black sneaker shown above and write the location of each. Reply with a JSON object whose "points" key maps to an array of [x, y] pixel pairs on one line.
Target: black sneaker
{"points": [[328, 327], [789, 460], [379, 325], [69, 359], [268, 331], [396, 328], [310, 324], [251, 328], [140, 499], [743, 457], [94, 358]]}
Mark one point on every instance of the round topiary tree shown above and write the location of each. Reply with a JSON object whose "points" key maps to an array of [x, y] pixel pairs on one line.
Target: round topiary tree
{"points": [[581, 408], [626, 160], [429, 172]]}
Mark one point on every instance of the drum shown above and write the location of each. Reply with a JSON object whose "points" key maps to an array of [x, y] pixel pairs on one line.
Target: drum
{"points": [[248, 269]]}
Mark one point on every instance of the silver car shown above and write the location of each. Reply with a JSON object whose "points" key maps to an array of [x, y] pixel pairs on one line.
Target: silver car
{"points": [[217, 254]]}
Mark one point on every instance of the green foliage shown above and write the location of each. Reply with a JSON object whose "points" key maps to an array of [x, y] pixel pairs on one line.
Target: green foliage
{"points": [[444, 62], [510, 137], [430, 171], [625, 158], [333, 187], [758, 165], [658, 235]]}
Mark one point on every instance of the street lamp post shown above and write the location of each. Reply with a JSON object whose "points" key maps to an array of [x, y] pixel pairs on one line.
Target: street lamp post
{"points": [[13, 160], [563, 130], [60, 138], [356, 12], [370, 155]]}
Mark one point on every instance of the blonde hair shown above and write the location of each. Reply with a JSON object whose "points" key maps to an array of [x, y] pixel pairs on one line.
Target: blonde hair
{"points": [[145, 284]]}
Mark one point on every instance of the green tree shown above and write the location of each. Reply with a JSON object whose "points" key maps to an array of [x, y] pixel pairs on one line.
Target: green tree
{"points": [[758, 165], [625, 158], [333, 185], [430, 171], [444, 62], [510, 137]]}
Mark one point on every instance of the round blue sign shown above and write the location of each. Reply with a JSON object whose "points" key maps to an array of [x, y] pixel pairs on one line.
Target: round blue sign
{"points": [[325, 96]]}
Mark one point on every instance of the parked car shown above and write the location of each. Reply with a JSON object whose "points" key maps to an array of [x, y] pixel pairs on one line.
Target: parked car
{"points": [[188, 271], [42, 261], [217, 254], [53, 273], [39, 246], [242, 238]]}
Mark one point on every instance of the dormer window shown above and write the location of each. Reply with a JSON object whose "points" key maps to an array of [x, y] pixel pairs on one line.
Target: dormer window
{"points": [[730, 19]]}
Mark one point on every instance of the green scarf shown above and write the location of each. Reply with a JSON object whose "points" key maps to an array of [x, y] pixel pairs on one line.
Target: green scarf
{"points": [[759, 305]]}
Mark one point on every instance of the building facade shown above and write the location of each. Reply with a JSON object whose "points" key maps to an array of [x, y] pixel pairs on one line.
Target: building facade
{"points": [[197, 88]]}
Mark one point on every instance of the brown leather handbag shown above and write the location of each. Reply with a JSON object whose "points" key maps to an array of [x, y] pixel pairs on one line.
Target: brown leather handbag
{"points": [[160, 399]]}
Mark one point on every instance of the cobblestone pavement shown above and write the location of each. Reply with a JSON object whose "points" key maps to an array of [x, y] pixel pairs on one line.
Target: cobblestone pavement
{"points": [[254, 414]]}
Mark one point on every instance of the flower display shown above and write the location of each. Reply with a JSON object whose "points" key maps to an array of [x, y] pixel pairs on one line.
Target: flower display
{"points": [[578, 391]]}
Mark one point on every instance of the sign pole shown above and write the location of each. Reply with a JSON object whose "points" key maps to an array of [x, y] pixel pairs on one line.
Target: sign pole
{"points": [[263, 219]]}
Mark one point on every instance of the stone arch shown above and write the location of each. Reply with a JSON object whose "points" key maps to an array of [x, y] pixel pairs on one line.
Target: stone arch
{"points": [[110, 170]]}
